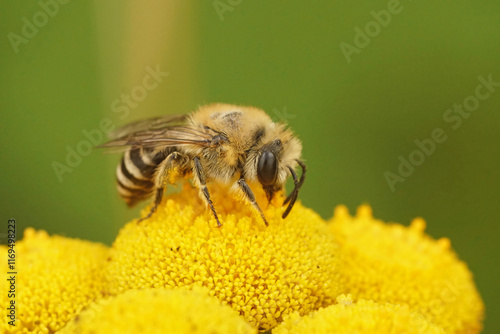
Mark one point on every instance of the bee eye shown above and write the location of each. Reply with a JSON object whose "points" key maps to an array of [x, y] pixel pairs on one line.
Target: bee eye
{"points": [[267, 168]]}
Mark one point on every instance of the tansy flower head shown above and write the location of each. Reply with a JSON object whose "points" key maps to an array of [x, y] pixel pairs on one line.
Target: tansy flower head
{"points": [[262, 272], [56, 278], [159, 311], [362, 317], [391, 263]]}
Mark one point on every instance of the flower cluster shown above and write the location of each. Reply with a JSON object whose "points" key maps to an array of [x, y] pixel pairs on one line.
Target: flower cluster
{"points": [[159, 311], [391, 263], [364, 316], [56, 278], [262, 272], [177, 272]]}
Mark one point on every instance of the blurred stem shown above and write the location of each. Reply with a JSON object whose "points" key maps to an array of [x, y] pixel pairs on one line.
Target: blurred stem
{"points": [[136, 35], [161, 33]]}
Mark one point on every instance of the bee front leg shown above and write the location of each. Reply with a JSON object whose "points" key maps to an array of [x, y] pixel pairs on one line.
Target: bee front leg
{"points": [[251, 198], [169, 163], [202, 182]]}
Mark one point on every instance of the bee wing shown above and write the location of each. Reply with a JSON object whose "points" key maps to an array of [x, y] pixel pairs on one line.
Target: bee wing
{"points": [[157, 132], [154, 123]]}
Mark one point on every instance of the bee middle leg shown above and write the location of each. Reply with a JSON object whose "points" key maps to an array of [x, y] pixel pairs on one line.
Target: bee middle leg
{"points": [[199, 175], [173, 159]]}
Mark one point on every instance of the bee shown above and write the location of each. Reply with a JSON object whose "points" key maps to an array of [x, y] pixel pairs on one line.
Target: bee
{"points": [[219, 143]]}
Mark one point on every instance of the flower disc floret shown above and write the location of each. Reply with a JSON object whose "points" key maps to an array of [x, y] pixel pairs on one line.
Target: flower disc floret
{"points": [[56, 277], [391, 263], [362, 317], [159, 311], [263, 272]]}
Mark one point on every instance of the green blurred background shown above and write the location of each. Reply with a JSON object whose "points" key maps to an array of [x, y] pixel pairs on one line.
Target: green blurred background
{"points": [[355, 118]]}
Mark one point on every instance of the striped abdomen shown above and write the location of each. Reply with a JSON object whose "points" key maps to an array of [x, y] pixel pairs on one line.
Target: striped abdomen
{"points": [[135, 174]]}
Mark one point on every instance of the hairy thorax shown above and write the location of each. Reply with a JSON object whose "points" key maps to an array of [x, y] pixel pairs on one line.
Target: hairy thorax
{"points": [[237, 133]]}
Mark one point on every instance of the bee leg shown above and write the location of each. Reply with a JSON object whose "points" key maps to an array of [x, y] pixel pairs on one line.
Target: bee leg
{"points": [[163, 168], [201, 180], [299, 184], [251, 197], [293, 196]]}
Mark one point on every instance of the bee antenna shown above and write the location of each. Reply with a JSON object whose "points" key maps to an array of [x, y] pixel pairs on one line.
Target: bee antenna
{"points": [[299, 185], [293, 196]]}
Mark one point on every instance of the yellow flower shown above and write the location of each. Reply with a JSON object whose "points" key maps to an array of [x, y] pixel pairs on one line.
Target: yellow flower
{"points": [[363, 317], [262, 272], [402, 265], [159, 311], [56, 278]]}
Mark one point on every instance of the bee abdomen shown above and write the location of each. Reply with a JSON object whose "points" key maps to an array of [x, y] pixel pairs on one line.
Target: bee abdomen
{"points": [[135, 174]]}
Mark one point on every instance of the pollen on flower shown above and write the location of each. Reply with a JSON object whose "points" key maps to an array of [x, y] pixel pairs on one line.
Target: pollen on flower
{"points": [[56, 278], [262, 272], [344, 300], [159, 311], [391, 263], [363, 316]]}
